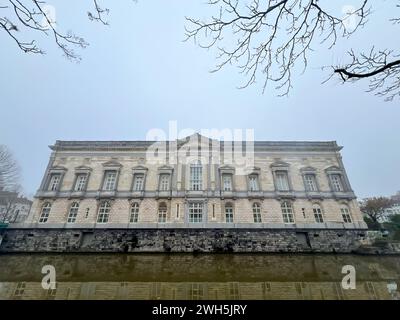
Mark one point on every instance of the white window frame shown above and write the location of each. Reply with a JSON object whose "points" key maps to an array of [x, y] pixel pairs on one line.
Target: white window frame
{"points": [[287, 212], [110, 180], [227, 183], [196, 176], [346, 215], [103, 215], [162, 213], [54, 184], [164, 184], [336, 181], [257, 213], [229, 213], [310, 182], [138, 182], [253, 182], [134, 214], [81, 180], [195, 212], [318, 215], [45, 212], [282, 180], [73, 212]]}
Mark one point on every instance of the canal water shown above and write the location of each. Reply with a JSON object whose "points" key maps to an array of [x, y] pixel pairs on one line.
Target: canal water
{"points": [[199, 277]]}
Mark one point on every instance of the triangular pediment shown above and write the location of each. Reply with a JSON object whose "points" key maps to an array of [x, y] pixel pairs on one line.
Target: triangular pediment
{"points": [[83, 168], [280, 164], [333, 168], [308, 169]]}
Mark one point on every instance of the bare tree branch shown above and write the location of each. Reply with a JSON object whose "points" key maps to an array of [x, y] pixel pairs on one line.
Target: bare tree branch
{"points": [[271, 38], [9, 170]]}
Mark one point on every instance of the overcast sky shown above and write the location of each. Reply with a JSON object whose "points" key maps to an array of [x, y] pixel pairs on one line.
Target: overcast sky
{"points": [[138, 74]]}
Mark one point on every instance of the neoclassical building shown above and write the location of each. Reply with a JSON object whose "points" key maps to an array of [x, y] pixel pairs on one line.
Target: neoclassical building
{"points": [[195, 182]]}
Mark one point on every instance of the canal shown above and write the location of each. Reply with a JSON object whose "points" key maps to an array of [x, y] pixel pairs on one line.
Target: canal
{"points": [[198, 277]]}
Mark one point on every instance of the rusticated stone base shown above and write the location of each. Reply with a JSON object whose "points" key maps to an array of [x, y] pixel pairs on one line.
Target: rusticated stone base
{"points": [[181, 240]]}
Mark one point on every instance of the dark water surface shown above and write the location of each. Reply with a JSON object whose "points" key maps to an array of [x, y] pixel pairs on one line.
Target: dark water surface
{"points": [[196, 277]]}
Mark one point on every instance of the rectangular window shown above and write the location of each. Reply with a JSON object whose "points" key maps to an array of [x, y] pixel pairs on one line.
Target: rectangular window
{"points": [[54, 182], [287, 212], [253, 183], [229, 214], [311, 184], [336, 181], [346, 215], [282, 181], [110, 180], [318, 215], [227, 182], [195, 212], [138, 182], [196, 177], [162, 214], [164, 182], [177, 210], [80, 184]]}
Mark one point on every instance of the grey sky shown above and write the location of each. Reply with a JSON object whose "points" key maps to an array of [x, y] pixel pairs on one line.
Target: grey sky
{"points": [[137, 74]]}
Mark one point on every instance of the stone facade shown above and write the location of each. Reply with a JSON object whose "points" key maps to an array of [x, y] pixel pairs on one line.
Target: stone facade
{"points": [[278, 194]]}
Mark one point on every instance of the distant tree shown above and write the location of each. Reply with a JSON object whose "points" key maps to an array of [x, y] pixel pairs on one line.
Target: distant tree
{"points": [[272, 39], [9, 170], [375, 207]]}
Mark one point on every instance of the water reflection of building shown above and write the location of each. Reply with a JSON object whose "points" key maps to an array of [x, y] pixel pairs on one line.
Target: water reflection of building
{"points": [[370, 290]]}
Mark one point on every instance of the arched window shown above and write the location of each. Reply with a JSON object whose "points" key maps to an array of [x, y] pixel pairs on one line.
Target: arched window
{"points": [[319, 218], [44, 215], [287, 212], [196, 176], [73, 212], [229, 213], [162, 212], [257, 212], [345, 214], [134, 212], [104, 212]]}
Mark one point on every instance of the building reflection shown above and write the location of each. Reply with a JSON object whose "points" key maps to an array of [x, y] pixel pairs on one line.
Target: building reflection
{"points": [[196, 291]]}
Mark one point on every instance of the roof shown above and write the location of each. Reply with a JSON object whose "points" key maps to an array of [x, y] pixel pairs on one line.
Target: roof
{"points": [[62, 145]]}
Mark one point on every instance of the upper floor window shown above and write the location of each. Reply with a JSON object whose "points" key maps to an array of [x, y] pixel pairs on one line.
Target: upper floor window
{"points": [[162, 213], [287, 212], [110, 180], [227, 182], [104, 212], [317, 211], [282, 180], [138, 182], [253, 183], [196, 176], [336, 181], [257, 212], [44, 215], [229, 213], [80, 184], [134, 217], [345, 214], [195, 212], [54, 182], [73, 212], [310, 182], [164, 182]]}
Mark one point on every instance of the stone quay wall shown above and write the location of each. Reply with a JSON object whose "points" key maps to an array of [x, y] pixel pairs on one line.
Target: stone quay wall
{"points": [[181, 240]]}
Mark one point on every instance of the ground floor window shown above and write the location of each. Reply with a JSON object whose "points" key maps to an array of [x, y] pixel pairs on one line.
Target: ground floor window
{"points": [[44, 215], [104, 212], [195, 212], [73, 212], [346, 214], [229, 213], [134, 217], [257, 212], [287, 212], [162, 213], [318, 214]]}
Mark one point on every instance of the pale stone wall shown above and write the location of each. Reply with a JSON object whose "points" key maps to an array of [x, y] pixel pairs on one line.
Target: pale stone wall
{"points": [[214, 201]]}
